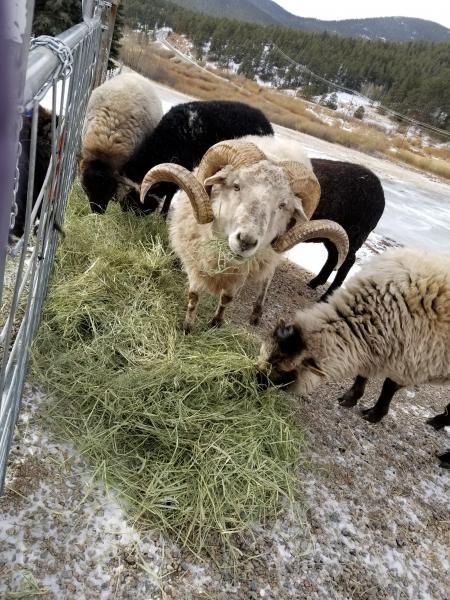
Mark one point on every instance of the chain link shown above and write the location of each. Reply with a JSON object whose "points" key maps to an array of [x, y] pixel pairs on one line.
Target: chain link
{"points": [[58, 47], [14, 207], [65, 56]]}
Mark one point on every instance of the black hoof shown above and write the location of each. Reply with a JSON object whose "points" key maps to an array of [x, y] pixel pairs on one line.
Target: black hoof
{"points": [[215, 323], [372, 416], [437, 422], [347, 402], [255, 319], [313, 284], [444, 459]]}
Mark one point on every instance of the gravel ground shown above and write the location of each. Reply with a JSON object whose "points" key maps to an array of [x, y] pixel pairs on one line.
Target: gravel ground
{"points": [[373, 524]]}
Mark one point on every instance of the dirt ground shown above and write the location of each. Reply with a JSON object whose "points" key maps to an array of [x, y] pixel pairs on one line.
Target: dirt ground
{"points": [[373, 523]]}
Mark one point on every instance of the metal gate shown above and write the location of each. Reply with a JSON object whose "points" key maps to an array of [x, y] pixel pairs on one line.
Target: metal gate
{"points": [[60, 73]]}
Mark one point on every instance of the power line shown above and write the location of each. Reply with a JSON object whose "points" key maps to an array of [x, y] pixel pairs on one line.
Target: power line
{"points": [[343, 88]]}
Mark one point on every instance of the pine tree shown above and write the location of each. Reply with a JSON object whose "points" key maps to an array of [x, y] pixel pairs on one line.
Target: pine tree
{"points": [[55, 16], [409, 77], [52, 17], [359, 112]]}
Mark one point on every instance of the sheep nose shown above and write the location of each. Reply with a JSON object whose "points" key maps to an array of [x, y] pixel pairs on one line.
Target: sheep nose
{"points": [[246, 242]]}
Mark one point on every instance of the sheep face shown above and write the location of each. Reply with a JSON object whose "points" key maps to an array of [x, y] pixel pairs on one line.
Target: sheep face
{"points": [[98, 182], [285, 359], [253, 206]]}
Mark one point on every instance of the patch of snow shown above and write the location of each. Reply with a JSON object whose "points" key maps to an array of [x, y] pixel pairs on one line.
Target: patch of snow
{"points": [[61, 102]]}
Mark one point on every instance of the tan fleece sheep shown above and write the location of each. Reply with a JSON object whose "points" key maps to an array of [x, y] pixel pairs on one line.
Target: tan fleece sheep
{"points": [[120, 114], [391, 320]]}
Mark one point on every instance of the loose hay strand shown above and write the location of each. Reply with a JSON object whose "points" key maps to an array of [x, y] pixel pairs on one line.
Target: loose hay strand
{"points": [[174, 423]]}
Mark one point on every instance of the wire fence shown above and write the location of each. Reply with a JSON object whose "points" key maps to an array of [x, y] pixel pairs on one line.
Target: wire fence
{"points": [[61, 73]]}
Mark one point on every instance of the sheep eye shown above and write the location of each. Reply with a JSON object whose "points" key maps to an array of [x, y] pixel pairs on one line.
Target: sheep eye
{"points": [[282, 205], [236, 187]]}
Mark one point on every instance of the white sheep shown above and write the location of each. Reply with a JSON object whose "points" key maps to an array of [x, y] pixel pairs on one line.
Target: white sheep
{"points": [[120, 114], [247, 209], [391, 320]]}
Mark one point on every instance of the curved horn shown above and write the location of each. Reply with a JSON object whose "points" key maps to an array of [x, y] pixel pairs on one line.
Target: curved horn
{"points": [[184, 179], [304, 184], [229, 152], [322, 228]]}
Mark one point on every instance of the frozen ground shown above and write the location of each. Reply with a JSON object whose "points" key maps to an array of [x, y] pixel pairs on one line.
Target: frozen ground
{"points": [[372, 523], [374, 518]]}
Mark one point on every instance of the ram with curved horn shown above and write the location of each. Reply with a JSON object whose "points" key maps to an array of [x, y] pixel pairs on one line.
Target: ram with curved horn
{"points": [[259, 208]]}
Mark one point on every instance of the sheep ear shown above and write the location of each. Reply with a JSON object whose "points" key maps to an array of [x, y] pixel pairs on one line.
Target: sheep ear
{"points": [[311, 365], [219, 177], [289, 338], [299, 213]]}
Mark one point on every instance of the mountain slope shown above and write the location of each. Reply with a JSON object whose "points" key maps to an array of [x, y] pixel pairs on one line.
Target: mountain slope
{"points": [[266, 12], [243, 10]]}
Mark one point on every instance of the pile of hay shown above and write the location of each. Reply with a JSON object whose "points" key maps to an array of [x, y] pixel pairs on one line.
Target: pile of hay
{"points": [[174, 423]]}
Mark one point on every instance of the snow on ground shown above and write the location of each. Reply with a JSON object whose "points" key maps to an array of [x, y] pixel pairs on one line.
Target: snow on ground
{"points": [[47, 100], [348, 103], [59, 525]]}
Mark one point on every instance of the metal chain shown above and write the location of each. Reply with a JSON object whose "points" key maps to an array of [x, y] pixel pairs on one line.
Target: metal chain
{"points": [[64, 53], [14, 207], [58, 47]]}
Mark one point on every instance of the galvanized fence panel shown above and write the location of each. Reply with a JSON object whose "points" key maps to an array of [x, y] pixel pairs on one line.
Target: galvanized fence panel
{"points": [[64, 70]]}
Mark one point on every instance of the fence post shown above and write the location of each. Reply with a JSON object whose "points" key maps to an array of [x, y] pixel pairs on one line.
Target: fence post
{"points": [[65, 67], [108, 29], [16, 20]]}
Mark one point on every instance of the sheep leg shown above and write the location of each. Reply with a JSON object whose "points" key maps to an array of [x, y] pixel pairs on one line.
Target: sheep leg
{"points": [[442, 420], [340, 276], [327, 268], [351, 396], [444, 459], [381, 408], [167, 200], [189, 319], [258, 307], [224, 300]]}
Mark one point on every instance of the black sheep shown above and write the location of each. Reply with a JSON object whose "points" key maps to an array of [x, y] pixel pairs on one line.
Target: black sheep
{"points": [[43, 155], [183, 136], [352, 196]]}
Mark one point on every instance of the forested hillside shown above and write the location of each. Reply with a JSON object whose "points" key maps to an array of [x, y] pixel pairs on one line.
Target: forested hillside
{"points": [[394, 29], [413, 78]]}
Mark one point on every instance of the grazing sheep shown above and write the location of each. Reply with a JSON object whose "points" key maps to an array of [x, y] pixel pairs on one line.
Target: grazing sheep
{"points": [[121, 113], [43, 156], [183, 136], [392, 319], [247, 209], [351, 195]]}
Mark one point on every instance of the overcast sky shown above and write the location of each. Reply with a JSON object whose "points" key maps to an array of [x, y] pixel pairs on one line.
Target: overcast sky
{"points": [[330, 10]]}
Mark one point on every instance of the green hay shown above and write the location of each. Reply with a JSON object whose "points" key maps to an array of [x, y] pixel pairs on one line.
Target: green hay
{"points": [[227, 261], [174, 423]]}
